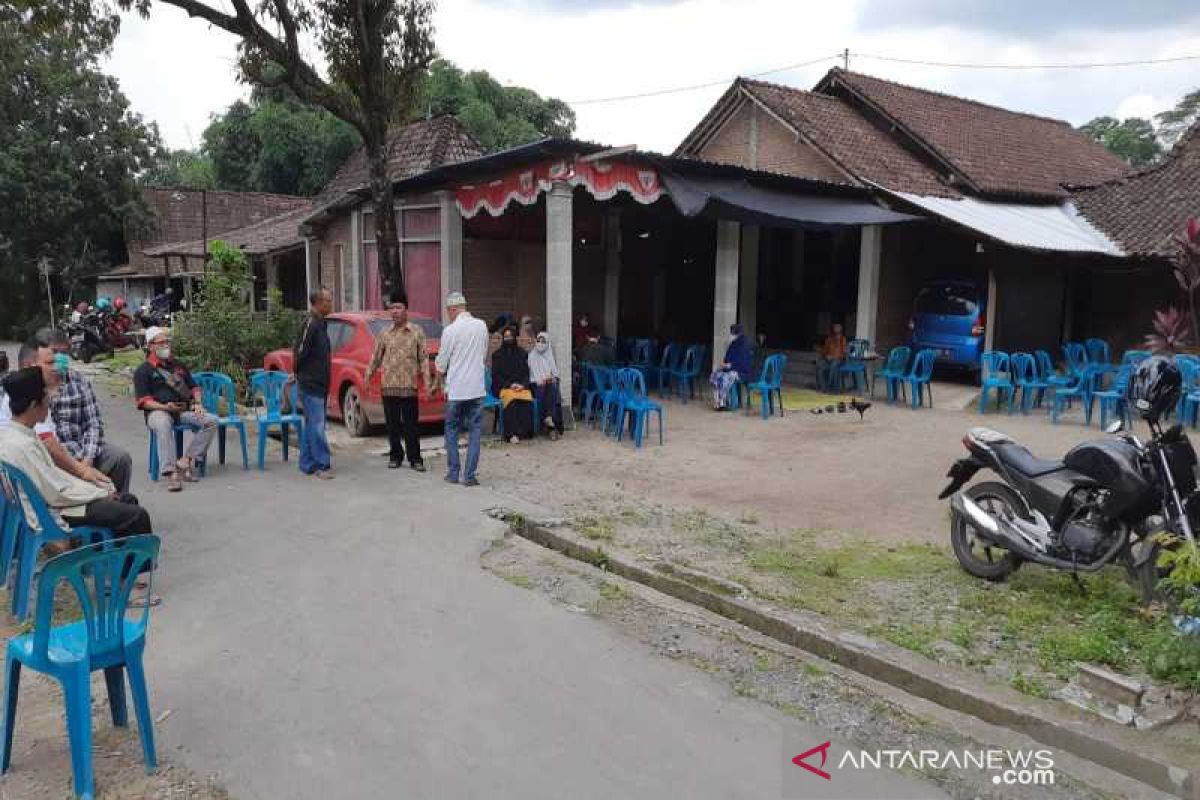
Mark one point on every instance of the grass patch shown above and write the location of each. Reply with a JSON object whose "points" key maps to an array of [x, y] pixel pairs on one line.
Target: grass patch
{"points": [[1029, 684], [125, 359], [797, 399], [749, 517], [596, 528], [522, 581], [612, 592]]}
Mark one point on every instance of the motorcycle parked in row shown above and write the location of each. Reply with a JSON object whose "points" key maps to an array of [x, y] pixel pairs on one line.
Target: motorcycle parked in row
{"points": [[87, 336], [1102, 503]]}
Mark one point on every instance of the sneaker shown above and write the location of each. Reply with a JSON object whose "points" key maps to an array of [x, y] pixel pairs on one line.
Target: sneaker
{"points": [[323, 474], [470, 482], [419, 466], [514, 439], [395, 463], [451, 479], [549, 422]]}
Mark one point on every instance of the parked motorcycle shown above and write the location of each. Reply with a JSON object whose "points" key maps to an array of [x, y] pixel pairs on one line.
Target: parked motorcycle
{"points": [[1102, 503], [87, 337]]}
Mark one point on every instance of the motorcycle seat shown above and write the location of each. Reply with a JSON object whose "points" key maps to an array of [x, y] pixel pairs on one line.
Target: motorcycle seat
{"points": [[1019, 459]]}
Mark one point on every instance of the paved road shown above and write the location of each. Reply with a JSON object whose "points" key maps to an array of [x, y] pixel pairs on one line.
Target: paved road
{"points": [[339, 640]]}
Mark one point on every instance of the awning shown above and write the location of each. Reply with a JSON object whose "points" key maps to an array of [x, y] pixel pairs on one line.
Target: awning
{"points": [[737, 199], [1058, 228]]}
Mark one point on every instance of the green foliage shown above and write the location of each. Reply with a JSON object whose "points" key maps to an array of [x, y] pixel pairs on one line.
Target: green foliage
{"points": [[497, 116], [1133, 139], [1181, 561], [221, 333], [185, 168], [1173, 123], [69, 153]]}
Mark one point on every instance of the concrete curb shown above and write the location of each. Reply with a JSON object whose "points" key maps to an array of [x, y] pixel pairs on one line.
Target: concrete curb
{"points": [[1086, 736]]}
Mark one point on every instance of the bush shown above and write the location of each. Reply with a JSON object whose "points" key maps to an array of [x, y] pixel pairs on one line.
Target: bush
{"points": [[221, 333]]}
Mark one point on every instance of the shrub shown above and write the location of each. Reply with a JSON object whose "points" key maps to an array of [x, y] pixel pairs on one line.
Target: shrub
{"points": [[221, 333]]}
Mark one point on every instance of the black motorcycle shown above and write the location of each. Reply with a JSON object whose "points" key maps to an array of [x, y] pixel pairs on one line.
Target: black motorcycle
{"points": [[87, 337], [1102, 503]]}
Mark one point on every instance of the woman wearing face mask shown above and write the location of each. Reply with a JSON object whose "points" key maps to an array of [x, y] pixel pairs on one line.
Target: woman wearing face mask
{"points": [[736, 366], [510, 382], [168, 396], [543, 371]]}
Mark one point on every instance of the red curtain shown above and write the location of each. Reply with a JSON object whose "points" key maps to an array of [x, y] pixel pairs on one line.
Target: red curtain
{"points": [[423, 277]]}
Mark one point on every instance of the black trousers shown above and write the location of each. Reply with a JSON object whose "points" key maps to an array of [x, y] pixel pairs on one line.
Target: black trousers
{"points": [[121, 514], [400, 413]]}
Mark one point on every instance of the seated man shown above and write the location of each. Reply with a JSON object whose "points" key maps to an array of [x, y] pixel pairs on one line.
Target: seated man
{"points": [[830, 356], [597, 353], [75, 413], [33, 354], [167, 394], [76, 501]]}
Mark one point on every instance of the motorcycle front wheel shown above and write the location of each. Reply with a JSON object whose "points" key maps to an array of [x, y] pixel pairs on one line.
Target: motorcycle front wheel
{"points": [[975, 554]]}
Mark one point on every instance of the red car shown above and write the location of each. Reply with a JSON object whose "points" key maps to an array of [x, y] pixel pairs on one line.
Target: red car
{"points": [[352, 339]]}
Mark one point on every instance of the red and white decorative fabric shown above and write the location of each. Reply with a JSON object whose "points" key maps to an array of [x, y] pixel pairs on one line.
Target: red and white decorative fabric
{"points": [[602, 179]]}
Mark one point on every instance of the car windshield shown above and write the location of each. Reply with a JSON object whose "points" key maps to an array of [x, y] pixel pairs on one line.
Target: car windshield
{"points": [[955, 301], [431, 328]]}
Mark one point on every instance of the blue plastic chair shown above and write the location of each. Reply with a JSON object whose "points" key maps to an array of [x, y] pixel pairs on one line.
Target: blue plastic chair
{"points": [[893, 371], [271, 388], [1027, 381], [1189, 370], [769, 386], [684, 379], [669, 362], [11, 518], [1097, 351], [996, 374], [600, 383], [642, 356], [634, 404], [1135, 357], [1080, 389], [1077, 360], [218, 388], [108, 638], [919, 381], [152, 458], [854, 366], [30, 539], [1112, 400], [490, 401]]}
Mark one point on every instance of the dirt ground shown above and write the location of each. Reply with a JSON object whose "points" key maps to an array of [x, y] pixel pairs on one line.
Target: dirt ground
{"points": [[41, 760], [878, 477]]}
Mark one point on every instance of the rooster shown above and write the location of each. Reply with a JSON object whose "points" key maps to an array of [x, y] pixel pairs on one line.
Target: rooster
{"points": [[860, 406]]}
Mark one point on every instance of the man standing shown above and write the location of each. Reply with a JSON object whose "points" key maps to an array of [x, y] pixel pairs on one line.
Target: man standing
{"points": [[79, 502], [77, 422], [461, 356], [401, 356], [166, 394], [312, 358]]}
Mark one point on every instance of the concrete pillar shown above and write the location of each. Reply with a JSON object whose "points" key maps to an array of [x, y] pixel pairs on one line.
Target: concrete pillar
{"points": [[989, 331], [725, 294], [559, 244], [869, 252], [312, 265], [356, 260], [612, 272], [748, 281], [452, 247]]}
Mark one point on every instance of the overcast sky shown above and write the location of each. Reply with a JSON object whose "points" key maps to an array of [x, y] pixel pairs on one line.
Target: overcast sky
{"points": [[178, 71]]}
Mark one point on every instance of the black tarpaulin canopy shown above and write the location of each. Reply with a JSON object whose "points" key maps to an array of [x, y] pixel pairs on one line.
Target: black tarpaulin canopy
{"points": [[736, 199]]}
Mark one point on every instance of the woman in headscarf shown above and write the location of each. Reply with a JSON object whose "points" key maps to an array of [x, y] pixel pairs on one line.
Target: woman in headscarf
{"points": [[510, 382], [496, 334], [543, 372], [526, 333], [736, 366]]}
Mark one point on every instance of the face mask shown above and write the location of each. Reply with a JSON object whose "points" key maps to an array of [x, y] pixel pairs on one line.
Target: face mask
{"points": [[62, 363], [163, 352], [542, 346]]}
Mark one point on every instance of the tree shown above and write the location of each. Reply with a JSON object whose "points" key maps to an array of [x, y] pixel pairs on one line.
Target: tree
{"points": [[185, 168], [1133, 139], [1175, 122], [69, 155], [376, 52], [497, 116]]}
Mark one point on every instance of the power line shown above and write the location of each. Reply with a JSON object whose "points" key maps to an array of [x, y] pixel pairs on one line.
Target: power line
{"points": [[846, 55], [710, 84], [1082, 65]]}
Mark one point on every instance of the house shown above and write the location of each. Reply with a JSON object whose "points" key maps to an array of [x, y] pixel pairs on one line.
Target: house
{"points": [[992, 187], [183, 214]]}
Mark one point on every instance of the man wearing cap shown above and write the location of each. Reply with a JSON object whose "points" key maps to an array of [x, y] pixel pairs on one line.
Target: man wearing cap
{"points": [[461, 358], [76, 501], [167, 395]]}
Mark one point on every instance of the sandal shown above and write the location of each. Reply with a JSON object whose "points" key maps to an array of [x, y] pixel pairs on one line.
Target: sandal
{"points": [[174, 483], [187, 468]]}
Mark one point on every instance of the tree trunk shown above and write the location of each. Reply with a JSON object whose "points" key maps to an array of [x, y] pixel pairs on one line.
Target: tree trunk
{"points": [[387, 242]]}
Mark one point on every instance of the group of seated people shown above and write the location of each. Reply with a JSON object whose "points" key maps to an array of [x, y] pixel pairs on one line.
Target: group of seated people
{"points": [[525, 377]]}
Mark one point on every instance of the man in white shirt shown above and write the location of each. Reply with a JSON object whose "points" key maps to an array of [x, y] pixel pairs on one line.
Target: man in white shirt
{"points": [[461, 358]]}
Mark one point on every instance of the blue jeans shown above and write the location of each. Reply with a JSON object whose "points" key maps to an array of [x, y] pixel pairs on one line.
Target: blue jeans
{"points": [[314, 447], [463, 414]]}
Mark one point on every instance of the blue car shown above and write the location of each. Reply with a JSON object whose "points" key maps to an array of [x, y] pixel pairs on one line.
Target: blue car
{"points": [[948, 316]]}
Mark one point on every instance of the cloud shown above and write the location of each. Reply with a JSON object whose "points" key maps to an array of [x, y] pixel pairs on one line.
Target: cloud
{"points": [[1143, 105], [1027, 18]]}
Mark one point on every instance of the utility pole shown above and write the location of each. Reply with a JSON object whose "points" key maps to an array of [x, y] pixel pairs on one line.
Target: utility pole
{"points": [[44, 268], [846, 59]]}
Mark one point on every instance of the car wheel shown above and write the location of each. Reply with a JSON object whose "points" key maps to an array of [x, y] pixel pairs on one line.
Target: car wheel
{"points": [[353, 416]]}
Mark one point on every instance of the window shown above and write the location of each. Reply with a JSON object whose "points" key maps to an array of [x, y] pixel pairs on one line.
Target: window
{"points": [[340, 334], [948, 299]]}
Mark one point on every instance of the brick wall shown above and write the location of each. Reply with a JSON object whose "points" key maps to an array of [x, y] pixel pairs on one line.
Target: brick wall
{"points": [[778, 149]]}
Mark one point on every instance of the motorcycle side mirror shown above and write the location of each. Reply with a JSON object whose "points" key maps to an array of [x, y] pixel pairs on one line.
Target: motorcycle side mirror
{"points": [[1116, 426]]}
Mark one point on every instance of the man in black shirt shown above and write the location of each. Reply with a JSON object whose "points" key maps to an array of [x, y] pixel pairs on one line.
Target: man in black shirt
{"points": [[311, 358]]}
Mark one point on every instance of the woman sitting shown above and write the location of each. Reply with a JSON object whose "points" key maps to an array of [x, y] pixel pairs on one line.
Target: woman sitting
{"points": [[510, 382], [736, 367], [543, 370]]}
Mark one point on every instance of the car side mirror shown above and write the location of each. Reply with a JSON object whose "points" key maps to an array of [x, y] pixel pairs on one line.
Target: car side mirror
{"points": [[1116, 426]]}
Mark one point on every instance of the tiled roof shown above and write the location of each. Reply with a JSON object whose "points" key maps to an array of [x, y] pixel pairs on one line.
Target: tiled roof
{"points": [[415, 148], [999, 151], [1146, 210], [259, 238], [848, 138]]}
